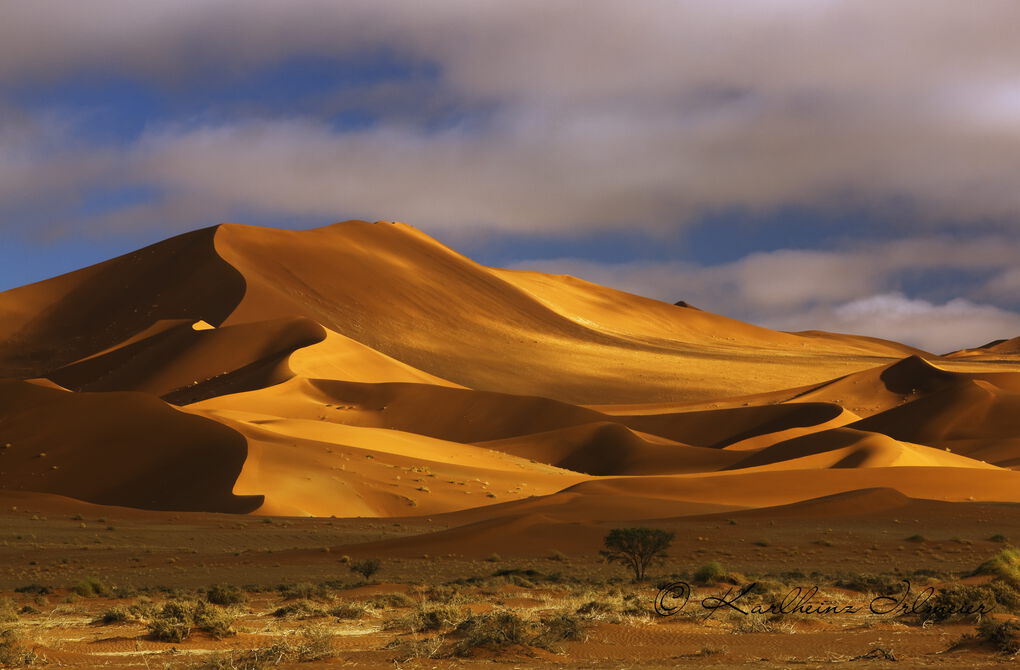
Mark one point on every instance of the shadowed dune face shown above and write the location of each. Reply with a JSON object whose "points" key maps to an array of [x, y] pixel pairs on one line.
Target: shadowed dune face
{"points": [[126, 449], [184, 365], [364, 369], [47, 325]]}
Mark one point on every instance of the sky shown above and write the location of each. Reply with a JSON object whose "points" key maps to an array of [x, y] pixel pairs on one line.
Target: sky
{"points": [[851, 166]]}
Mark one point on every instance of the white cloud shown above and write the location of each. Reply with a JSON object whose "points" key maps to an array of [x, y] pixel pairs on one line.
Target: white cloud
{"points": [[939, 328]]}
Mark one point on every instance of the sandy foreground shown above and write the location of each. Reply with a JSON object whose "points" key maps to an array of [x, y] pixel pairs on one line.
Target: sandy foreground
{"points": [[253, 407]]}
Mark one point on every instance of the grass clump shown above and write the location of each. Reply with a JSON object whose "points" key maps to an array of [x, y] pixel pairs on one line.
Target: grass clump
{"points": [[426, 617], [304, 591], [300, 609], [176, 619], [390, 600]]}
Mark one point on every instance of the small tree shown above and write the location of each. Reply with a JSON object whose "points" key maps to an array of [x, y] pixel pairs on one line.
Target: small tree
{"points": [[636, 547], [366, 568]]}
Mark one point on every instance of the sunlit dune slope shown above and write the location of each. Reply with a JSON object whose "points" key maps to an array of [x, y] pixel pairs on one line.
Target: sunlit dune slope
{"points": [[401, 293], [365, 369]]}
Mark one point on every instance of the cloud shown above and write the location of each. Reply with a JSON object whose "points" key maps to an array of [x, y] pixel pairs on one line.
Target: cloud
{"points": [[598, 113], [939, 328], [857, 290]]}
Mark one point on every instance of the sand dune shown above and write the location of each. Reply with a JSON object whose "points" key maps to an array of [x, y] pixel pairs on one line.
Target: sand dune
{"points": [[606, 448], [364, 369], [850, 448]]}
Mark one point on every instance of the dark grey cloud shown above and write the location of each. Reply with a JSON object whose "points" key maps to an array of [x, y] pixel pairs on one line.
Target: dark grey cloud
{"points": [[609, 113]]}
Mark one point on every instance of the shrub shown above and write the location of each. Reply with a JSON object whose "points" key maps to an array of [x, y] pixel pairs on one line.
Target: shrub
{"points": [[1005, 635], [90, 587], [1005, 565], [225, 595], [140, 611], [347, 611], [494, 631], [365, 567], [557, 627], [316, 644], [175, 620], [709, 573], [998, 537], [425, 617], [636, 547], [955, 603], [884, 584], [118, 614], [8, 610], [1005, 595], [595, 607], [12, 653], [390, 600], [304, 591]]}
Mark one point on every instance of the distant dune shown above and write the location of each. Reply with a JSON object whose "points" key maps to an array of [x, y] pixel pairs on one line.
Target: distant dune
{"points": [[364, 369]]}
